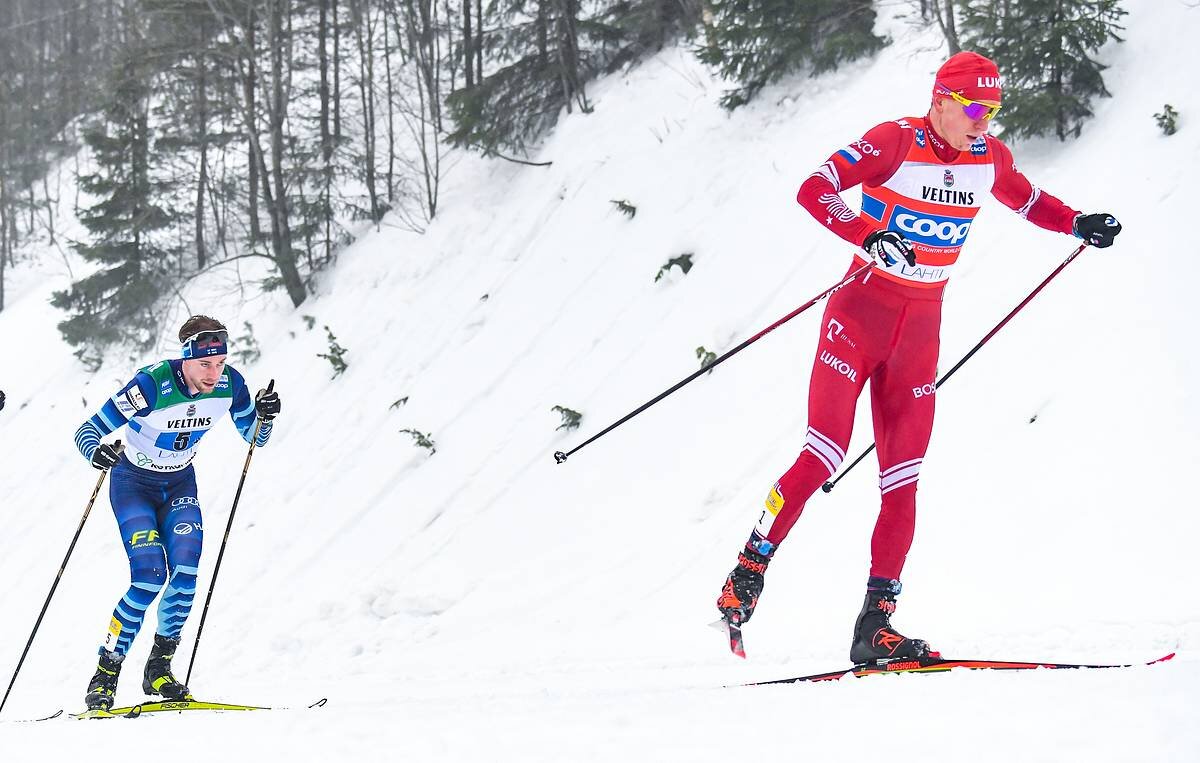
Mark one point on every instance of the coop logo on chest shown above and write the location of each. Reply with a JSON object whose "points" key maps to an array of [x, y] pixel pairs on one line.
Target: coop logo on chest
{"points": [[930, 229]]}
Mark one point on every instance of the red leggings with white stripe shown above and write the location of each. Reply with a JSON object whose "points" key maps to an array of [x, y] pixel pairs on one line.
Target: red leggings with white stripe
{"points": [[888, 333]]}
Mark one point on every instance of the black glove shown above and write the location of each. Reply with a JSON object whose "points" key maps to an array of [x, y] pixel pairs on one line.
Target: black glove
{"points": [[887, 247], [1099, 229], [106, 456], [266, 402], [1, 400]]}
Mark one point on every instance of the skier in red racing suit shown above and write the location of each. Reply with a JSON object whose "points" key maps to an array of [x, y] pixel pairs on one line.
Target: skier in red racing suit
{"points": [[923, 179]]}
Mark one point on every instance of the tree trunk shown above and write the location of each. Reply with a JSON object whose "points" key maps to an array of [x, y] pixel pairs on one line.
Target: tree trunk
{"points": [[366, 70], [337, 75], [250, 85], [468, 54], [281, 233], [4, 244], [202, 133], [478, 39], [326, 135], [391, 110], [945, 20]]}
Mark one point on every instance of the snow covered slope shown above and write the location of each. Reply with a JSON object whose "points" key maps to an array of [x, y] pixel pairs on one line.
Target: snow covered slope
{"points": [[484, 603]]}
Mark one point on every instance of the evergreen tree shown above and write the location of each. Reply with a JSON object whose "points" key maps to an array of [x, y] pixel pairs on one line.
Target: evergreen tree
{"points": [[1044, 49], [544, 73], [116, 303], [193, 123], [548, 51], [756, 42]]}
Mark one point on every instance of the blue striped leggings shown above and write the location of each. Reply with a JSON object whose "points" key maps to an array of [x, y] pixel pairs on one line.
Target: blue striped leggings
{"points": [[159, 519]]}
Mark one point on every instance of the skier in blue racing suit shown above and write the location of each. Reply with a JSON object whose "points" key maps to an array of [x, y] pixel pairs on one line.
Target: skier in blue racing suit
{"points": [[167, 408]]}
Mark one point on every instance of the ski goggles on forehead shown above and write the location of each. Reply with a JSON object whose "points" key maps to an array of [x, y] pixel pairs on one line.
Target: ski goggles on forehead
{"points": [[973, 109], [204, 344]]}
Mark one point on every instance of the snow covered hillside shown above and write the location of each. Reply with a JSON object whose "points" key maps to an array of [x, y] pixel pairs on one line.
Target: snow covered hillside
{"points": [[484, 603]]}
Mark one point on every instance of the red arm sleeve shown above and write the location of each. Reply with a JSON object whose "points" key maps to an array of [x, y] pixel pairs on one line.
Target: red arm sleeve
{"points": [[872, 160], [1016, 192]]}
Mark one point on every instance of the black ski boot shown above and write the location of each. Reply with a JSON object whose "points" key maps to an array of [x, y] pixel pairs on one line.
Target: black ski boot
{"points": [[158, 679], [103, 685], [874, 637], [745, 583]]}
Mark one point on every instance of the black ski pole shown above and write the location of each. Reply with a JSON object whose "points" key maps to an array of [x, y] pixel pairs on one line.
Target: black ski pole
{"points": [[560, 456], [830, 485], [58, 577], [221, 554]]}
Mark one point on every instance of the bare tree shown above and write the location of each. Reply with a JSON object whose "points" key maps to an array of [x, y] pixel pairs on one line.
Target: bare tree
{"points": [[945, 22], [364, 33]]}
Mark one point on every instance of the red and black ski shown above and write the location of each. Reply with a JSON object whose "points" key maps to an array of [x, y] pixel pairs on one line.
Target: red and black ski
{"points": [[735, 639], [941, 665]]}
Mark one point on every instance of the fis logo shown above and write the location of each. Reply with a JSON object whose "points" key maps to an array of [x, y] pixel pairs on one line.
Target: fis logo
{"points": [[919, 137], [762, 528], [775, 501], [143, 537], [165, 389], [186, 528], [114, 633], [839, 365], [933, 230]]}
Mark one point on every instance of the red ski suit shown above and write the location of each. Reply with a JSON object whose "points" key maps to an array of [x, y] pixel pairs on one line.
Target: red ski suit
{"points": [[884, 326]]}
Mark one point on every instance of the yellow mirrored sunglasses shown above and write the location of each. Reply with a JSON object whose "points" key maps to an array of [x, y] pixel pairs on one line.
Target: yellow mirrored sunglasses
{"points": [[973, 109]]}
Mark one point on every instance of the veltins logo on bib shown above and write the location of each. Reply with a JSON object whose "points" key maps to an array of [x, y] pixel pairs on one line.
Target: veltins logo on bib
{"points": [[930, 229]]}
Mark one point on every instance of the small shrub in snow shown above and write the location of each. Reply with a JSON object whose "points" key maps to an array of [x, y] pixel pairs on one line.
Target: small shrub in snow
{"points": [[309, 321], [398, 403], [684, 261], [570, 418], [625, 207], [336, 355], [706, 358], [1166, 120], [247, 350], [421, 440]]}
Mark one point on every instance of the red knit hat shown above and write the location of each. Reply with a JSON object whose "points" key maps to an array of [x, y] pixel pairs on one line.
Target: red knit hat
{"points": [[971, 75]]}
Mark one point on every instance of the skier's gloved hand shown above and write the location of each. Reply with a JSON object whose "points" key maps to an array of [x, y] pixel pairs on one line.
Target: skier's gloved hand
{"points": [[1099, 229], [266, 402], [106, 456], [888, 247], [1, 400]]}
